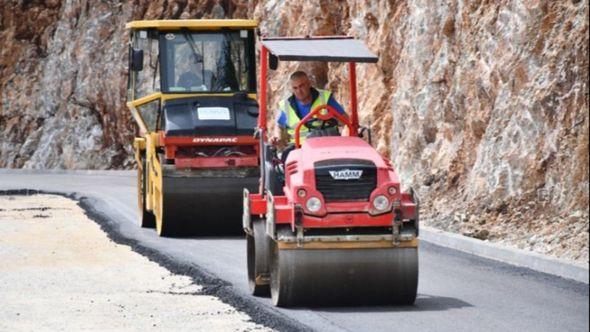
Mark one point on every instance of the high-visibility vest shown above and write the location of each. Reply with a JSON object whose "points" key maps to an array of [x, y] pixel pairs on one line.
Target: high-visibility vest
{"points": [[293, 119]]}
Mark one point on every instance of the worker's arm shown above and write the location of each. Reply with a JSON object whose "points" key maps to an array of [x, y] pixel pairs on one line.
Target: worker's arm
{"points": [[280, 135]]}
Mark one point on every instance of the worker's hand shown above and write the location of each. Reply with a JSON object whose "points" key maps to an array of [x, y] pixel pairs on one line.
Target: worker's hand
{"points": [[274, 141]]}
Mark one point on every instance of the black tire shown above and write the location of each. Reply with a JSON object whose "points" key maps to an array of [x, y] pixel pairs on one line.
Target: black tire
{"points": [[258, 259], [146, 218]]}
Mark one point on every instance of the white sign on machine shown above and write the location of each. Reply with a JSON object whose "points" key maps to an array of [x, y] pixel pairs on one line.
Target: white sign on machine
{"points": [[213, 113]]}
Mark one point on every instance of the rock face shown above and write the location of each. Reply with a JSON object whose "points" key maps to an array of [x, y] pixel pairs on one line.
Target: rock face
{"points": [[62, 90], [481, 105]]}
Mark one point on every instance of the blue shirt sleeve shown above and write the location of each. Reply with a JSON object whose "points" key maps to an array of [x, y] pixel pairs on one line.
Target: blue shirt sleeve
{"points": [[332, 102], [282, 120]]}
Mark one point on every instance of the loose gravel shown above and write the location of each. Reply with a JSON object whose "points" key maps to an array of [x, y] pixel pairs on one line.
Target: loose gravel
{"points": [[60, 271]]}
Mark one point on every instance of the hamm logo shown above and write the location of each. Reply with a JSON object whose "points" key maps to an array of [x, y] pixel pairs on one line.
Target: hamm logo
{"points": [[347, 174]]}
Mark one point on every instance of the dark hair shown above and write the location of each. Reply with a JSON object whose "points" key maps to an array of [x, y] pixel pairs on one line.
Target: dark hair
{"points": [[297, 74]]}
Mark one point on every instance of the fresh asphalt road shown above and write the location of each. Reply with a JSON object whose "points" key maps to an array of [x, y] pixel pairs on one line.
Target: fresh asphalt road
{"points": [[457, 291]]}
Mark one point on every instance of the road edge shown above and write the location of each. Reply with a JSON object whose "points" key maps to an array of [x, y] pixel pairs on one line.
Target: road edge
{"points": [[518, 257], [59, 171]]}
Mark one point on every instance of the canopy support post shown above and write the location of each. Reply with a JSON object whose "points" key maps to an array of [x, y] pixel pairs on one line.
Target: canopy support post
{"points": [[262, 98], [353, 99]]}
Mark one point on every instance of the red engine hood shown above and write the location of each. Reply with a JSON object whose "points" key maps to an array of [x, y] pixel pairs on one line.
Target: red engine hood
{"points": [[300, 171], [335, 147]]}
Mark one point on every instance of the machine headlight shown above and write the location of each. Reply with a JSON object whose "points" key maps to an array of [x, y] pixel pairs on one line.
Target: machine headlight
{"points": [[313, 204], [381, 203]]}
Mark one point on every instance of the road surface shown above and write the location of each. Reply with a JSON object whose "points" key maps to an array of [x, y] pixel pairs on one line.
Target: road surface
{"points": [[457, 291]]}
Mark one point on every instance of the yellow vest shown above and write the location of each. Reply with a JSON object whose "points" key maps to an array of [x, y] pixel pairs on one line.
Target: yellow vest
{"points": [[293, 119]]}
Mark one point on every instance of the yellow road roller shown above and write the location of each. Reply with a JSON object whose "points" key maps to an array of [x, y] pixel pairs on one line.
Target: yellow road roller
{"points": [[192, 91]]}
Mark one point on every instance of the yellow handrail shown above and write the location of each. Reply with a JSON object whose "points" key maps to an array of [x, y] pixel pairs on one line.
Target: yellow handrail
{"points": [[145, 100]]}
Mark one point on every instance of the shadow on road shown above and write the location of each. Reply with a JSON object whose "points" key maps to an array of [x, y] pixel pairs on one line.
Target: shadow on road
{"points": [[423, 303], [437, 303], [214, 237]]}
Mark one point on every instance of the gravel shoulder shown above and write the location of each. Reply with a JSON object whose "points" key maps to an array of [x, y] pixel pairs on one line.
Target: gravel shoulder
{"points": [[62, 272]]}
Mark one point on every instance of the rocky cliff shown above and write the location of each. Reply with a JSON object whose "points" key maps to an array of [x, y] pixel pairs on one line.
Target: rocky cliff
{"points": [[481, 105]]}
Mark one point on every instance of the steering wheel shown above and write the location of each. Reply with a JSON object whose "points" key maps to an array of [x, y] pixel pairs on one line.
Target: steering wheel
{"points": [[331, 114]]}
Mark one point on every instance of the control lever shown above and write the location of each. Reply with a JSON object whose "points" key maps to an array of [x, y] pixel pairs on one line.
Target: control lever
{"points": [[362, 131]]}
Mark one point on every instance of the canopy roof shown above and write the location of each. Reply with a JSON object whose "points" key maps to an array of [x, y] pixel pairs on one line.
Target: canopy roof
{"points": [[192, 24], [335, 49]]}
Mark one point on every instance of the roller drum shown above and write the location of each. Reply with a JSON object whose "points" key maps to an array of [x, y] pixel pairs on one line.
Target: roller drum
{"points": [[205, 203], [343, 276], [258, 259]]}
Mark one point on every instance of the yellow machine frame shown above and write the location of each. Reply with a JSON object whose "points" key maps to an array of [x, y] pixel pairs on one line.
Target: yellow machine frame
{"points": [[148, 141]]}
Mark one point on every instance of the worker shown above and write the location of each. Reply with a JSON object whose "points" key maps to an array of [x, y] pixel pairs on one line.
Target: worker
{"points": [[304, 99], [192, 79]]}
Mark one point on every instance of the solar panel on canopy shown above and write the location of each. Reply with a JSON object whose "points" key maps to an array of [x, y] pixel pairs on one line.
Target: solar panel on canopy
{"points": [[320, 49]]}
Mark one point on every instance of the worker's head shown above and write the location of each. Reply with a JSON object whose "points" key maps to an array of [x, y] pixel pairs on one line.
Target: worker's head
{"points": [[195, 63], [300, 85]]}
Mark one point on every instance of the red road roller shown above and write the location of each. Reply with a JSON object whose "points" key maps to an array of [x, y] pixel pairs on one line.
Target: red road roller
{"points": [[330, 224]]}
